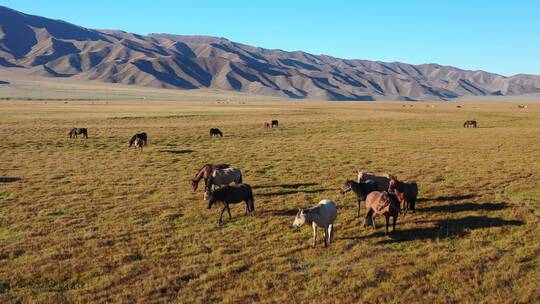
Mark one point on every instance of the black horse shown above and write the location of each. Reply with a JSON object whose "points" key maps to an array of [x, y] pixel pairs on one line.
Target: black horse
{"points": [[78, 131], [275, 123], [470, 124], [361, 189], [141, 136], [230, 195], [215, 132]]}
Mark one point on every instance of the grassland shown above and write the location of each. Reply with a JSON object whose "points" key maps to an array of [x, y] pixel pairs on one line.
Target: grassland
{"points": [[93, 221]]}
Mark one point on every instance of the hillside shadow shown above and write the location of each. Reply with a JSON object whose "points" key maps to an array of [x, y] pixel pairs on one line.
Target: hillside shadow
{"points": [[465, 207], [287, 186], [448, 228], [448, 198], [177, 151], [9, 179]]}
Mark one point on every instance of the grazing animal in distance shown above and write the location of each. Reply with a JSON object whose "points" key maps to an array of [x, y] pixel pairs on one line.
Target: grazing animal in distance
{"points": [[138, 143], [225, 176], [380, 180], [275, 123], [205, 172], [382, 203], [361, 190], [267, 125], [406, 192], [78, 131], [522, 106], [230, 195], [459, 107], [216, 132], [141, 136], [323, 215], [470, 124]]}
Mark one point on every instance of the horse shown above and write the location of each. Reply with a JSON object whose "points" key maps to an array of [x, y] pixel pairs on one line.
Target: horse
{"points": [[78, 131], [406, 192], [459, 107], [470, 123], [380, 180], [382, 203], [205, 172], [230, 195], [275, 123], [323, 216], [216, 132], [522, 106], [267, 125], [360, 189], [224, 177], [142, 136], [138, 143]]}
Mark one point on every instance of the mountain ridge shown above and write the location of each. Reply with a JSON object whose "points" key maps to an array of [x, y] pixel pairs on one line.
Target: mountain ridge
{"points": [[57, 48]]}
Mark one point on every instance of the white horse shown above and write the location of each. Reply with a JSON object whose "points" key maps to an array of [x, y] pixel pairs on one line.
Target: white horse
{"points": [[382, 181], [223, 177], [323, 216]]}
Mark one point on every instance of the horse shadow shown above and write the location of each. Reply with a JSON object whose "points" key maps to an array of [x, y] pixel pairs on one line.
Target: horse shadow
{"points": [[177, 151], [283, 212], [287, 186], [287, 192], [453, 208], [449, 198], [9, 179], [444, 229]]}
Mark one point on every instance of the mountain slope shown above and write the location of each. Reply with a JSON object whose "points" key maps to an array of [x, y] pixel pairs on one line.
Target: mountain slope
{"points": [[60, 49]]}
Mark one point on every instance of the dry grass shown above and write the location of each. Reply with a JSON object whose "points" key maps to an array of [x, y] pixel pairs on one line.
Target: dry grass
{"points": [[93, 221]]}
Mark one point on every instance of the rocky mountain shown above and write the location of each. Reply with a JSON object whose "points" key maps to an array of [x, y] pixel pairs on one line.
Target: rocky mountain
{"points": [[59, 49]]}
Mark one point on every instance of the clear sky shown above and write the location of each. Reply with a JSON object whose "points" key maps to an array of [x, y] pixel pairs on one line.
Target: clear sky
{"points": [[501, 36]]}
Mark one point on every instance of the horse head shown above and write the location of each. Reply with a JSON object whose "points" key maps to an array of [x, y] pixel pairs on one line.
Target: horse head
{"points": [[194, 184], [300, 219], [346, 187]]}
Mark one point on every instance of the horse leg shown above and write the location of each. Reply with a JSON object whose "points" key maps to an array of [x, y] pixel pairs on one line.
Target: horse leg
{"points": [[325, 234], [221, 215], [387, 223], [229, 210], [367, 216], [330, 233], [373, 220], [394, 224], [314, 234], [358, 213]]}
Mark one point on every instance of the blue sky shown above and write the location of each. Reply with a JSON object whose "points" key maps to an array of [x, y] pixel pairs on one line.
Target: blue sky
{"points": [[496, 36]]}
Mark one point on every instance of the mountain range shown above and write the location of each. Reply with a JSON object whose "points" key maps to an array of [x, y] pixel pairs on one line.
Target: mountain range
{"points": [[56, 48]]}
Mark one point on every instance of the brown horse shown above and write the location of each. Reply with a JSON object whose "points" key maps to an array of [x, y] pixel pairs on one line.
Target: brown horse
{"points": [[78, 131], [205, 173], [470, 124], [267, 125], [406, 192], [383, 203]]}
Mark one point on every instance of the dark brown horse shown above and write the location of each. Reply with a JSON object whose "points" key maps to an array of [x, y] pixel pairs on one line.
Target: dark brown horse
{"points": [[230, 195], [142, 136], [205, 173], [406, 192], [267, 125], [216, 132], [382, 203], [470, 124], [78, 131], [275, 123], [360, 189]]}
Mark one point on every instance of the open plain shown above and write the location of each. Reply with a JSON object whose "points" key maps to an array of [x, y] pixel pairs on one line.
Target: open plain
{"points": [[90, 220]]}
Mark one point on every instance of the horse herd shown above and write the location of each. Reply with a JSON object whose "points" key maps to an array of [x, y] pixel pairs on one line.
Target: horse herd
{"points": [[382, 195]]}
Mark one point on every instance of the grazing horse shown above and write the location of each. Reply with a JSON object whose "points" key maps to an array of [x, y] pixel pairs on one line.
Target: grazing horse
{"points": [[382, 203], [275, 123], [470, 124], [142, 136], [360, 189], [522, 106], [205, 172], [78, 131], [223, 177], [216, 132], [323, 216], [138, 143], [380, 180], [406, 192], [230, 195], [267, 125]]}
